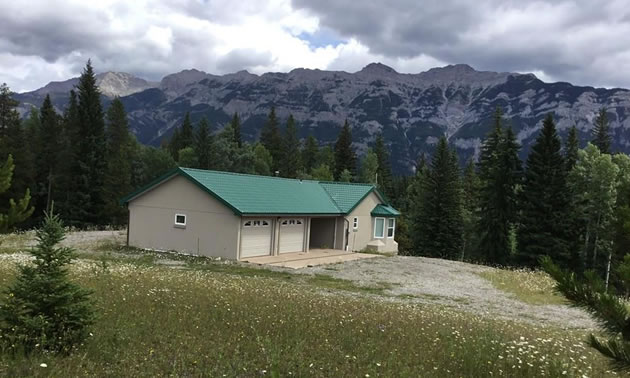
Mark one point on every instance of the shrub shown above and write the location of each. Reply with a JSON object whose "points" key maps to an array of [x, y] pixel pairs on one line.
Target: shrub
{"points": [[43, 309]]}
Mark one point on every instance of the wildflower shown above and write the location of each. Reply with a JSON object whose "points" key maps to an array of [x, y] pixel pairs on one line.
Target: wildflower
{"points": [[43, 365]]}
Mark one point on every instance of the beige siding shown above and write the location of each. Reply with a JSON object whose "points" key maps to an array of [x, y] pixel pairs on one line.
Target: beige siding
{"points": [[211, 229], [359, 239]]}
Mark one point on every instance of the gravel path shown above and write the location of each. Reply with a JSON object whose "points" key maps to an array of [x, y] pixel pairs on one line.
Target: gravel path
{"points": [[453, 284]]}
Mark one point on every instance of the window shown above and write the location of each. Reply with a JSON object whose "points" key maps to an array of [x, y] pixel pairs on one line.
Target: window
{"points": [[379, 228], [180, 220], [391, 224], [355, 223], [247, 224], [256, 223]]}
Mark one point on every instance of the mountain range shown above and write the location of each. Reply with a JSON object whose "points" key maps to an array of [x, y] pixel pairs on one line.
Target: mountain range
{"points": [[411, 110]]}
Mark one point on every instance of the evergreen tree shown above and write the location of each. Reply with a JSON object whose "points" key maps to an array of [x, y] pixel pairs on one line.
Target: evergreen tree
{"points": [[49, 154], [91, 166], [272, 140], [149, 163], [204, 145], [438, 221], [310, 154], [384, 166], [470, 209], [345, 157], [236, 126], [345, 176], [544, 202], [118, 173], [174, 144], [8, 115], [326, 156], [186, 134], [322, 173], [500, 175], [16, 212], [13, 143], [43, 309], [412, 211], [68, 188], [188, 158], [262, 165], [292, 161], [601, 137], [369, 167], [571, 148], [609, 310]]}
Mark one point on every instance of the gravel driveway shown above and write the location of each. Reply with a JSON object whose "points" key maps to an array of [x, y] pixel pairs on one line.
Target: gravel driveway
{"points": [[452, 284]]}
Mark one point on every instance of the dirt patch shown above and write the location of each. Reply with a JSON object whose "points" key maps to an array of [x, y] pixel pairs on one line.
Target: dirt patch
{"points": [[453, 284]]}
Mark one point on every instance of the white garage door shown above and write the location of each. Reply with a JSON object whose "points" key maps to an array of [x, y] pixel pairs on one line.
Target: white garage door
{"points": [[291, 235], [256, 237]]}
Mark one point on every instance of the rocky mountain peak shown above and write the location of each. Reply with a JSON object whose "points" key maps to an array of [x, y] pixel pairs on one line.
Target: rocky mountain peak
{"points": [[114, 84], [377, 69]]}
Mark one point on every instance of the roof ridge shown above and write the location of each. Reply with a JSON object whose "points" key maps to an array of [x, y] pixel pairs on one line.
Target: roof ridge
{"points": [[347, 183], [331, 198], [246, 174]]}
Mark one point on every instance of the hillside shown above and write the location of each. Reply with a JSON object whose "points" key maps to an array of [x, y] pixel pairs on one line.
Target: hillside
{"points": [[411, 110]]}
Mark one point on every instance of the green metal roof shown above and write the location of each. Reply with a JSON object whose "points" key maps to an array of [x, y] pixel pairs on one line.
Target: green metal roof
{"points": [[384, 211], [251, 194], [345, 195]]}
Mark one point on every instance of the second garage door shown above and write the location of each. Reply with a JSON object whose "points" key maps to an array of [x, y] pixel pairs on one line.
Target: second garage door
{"points": [[256, 238], [291, 235]]}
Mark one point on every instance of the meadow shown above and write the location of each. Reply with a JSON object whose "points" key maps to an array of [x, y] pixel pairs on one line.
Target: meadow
{"points": [[211, 318]]}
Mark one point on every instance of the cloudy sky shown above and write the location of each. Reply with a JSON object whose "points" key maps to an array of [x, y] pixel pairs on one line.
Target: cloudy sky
{"points": [[581, 41]]}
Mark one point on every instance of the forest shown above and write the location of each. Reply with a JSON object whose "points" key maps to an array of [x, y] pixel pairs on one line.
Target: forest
{"points": [[568, 203]]}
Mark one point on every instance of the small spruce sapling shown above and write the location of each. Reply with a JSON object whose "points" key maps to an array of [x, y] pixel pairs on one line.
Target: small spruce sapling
{"points": [[43, 309]]}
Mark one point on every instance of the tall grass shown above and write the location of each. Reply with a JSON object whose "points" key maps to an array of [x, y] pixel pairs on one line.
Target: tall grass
{"points": [[158, 321]]}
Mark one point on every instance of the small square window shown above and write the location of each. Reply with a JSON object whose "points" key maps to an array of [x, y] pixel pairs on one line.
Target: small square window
{"points": [[355, 223], [180, 220]]}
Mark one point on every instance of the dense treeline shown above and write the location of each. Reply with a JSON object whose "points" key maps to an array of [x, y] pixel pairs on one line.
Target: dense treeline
{"points": [[570, 204], [83, 161]]}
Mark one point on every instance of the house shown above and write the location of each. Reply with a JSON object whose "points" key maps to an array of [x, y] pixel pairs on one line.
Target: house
{"points": [[239, 216]]}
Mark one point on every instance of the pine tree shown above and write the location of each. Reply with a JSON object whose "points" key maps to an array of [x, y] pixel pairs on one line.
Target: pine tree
{"points": [[322, 173], [49, 155], [310, 154], [186, 134], [601, 137], [204, 145], [292, 161], [345, 157], [438, 221], [17, 211], [118, 171], [89, 197], [470, 210], [544, 202], [262, 165], [384, 165], [571, 148], [500, 175], [14, 144], [610, 311], [369, 167], [68, 189], [43, 309], [8, 115], [236, 126], [272, 140], [174, 144]]}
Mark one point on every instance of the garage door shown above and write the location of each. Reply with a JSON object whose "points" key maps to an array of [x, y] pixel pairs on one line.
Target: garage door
{"points": [[256, 238], [291, 235]]}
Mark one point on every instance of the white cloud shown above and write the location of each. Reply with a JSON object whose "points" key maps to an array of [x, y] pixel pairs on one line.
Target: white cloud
{"points": [[578, 41]]}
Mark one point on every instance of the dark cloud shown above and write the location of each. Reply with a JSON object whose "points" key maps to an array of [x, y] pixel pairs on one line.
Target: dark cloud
{"points": [[244, 59], [564, 39]]}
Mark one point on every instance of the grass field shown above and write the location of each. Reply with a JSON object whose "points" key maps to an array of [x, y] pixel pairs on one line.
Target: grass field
{"points": [[206, 318], [533, 287]]}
